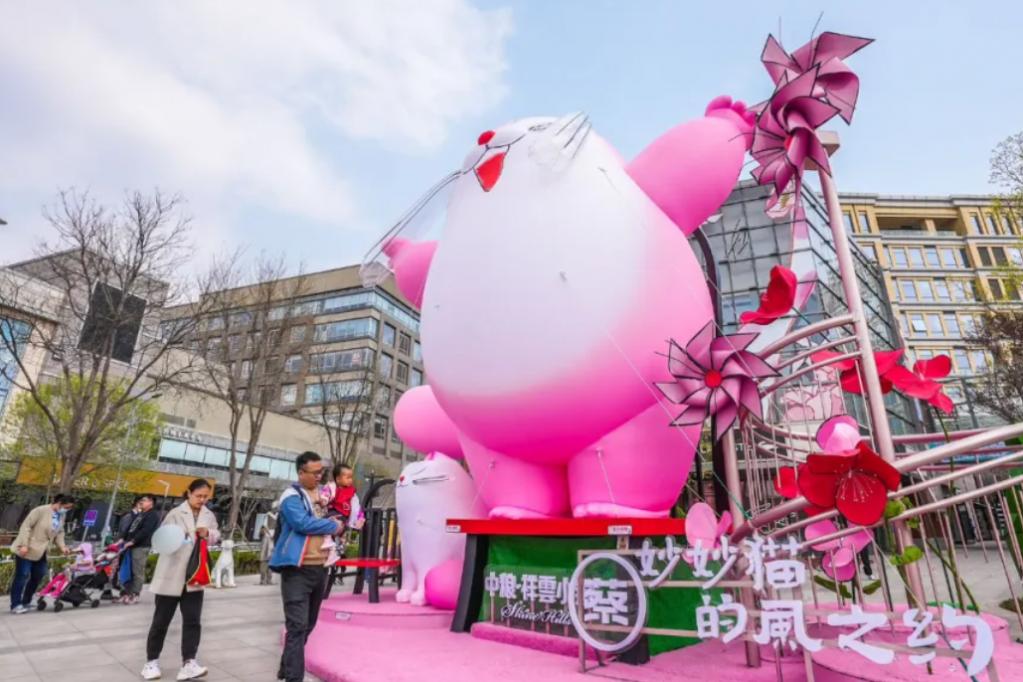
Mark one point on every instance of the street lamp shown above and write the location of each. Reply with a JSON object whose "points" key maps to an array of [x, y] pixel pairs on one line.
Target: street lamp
{"points": [[166, 493]]}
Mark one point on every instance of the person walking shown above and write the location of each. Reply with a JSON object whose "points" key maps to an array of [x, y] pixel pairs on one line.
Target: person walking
{"points": [[137, 542], [299, 557], [43, 526], [171, 587]]}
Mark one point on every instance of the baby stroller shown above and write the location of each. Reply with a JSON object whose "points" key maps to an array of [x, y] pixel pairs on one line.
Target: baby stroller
{"points": [[81, 582]]}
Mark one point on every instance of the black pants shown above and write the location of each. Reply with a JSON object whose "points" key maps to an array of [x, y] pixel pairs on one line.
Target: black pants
{"points": [[191, 629], [302, 594]]}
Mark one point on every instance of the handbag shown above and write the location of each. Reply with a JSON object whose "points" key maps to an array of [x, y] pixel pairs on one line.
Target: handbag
{"points": [[199, 569]]}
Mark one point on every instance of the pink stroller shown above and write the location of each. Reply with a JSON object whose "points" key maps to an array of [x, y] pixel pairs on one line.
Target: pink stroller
{"points": [[76, 584]]}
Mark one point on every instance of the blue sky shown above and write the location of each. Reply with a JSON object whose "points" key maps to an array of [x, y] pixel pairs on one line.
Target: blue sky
{"points": [[307, 128]]}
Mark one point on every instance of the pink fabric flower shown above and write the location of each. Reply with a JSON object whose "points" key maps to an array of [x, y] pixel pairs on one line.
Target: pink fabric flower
{"points": [[923, 382], [703, 526], [777, 300], [839, 560], [715, 376]]}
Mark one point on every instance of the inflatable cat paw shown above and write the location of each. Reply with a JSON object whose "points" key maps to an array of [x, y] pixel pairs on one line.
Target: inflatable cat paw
{"points": [[428, 494], [555, 275]]}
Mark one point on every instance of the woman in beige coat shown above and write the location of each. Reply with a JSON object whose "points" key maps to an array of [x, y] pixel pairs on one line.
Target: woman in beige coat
{"points": [[172, 592]]}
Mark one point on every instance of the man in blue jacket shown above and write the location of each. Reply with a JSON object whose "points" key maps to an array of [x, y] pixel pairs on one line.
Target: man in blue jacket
{"points": [[299, 558]]}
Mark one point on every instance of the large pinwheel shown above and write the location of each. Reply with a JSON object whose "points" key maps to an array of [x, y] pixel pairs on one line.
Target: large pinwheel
{"points": [[813, 85], [715, 376]]}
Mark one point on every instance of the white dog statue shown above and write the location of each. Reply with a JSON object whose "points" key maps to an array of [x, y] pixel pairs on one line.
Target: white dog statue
{"points": [[224, 568]]}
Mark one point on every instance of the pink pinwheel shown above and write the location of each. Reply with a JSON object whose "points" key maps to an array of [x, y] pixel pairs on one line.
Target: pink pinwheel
{"points": [[703, 526], [777, 300], [836, 82], [715, 376], [923, 382], [813, 85], [839, 560]]}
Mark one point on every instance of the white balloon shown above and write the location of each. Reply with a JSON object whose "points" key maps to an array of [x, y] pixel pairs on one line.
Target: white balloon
{"points": [[168, 539]]}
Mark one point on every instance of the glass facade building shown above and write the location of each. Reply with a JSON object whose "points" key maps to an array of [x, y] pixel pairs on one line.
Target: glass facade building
{"points": [[746, 244]]}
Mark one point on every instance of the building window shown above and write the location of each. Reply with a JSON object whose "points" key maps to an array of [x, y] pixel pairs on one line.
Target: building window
{"points": [[340, 361], [899, 258], [1007, 224], [941, 289], [405, 344], [999, 256], [293, 364], [979, 359], [394, 437], [246, 369], [1015, 255], [908, 290], [952, 324], [240, 320], [931, 255], [389, 333], [965, 257], [383, 398], [234, 343], [996, 289], [864, 223], [335, 391], [402, 375], [975, 223], [962, 360], [926, 291], [385, 364], [917, 324], [417, 378], [297, 334], [288, 394], [849, 229], [934, 324], [360, 327], [380, 427], [417, 351], [992, 224], [1011, 291], [948, 258], [916, 258]]}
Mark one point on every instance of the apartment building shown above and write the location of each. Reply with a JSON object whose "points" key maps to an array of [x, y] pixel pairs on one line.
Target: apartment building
{"points": [[942, 258], [345, 345]]}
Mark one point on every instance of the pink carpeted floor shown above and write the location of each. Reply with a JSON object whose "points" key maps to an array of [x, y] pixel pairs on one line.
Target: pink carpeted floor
{"points": [[388, 642]]}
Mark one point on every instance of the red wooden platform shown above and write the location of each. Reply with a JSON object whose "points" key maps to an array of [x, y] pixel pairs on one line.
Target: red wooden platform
{"points": [[589, 527]]}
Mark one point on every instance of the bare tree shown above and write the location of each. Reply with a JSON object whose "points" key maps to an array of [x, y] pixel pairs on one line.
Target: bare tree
{"points": [[1000, 388], [346, 408], [244, 343], [1007, 172], [109, 274]]}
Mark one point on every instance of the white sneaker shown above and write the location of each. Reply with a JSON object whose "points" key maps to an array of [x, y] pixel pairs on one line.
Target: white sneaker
{"points": [[20, 609], [191, 670], [151, 670]]}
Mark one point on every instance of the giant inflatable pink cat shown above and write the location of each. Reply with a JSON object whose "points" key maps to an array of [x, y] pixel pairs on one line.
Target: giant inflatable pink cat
{"points": [[559, 274]]}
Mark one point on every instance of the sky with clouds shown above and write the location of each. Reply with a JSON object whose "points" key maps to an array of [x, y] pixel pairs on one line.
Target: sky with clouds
{"points": [[309, 127]]}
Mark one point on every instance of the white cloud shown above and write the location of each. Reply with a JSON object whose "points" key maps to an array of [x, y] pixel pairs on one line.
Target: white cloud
{"points": [[231, 102]]}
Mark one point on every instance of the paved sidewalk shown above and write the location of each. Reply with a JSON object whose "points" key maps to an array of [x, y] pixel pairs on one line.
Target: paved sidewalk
{"points": [[240, 638]]}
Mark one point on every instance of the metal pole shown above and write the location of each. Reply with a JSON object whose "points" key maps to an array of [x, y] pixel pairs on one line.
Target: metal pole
{"points": [[117, 480], [734, 485], [870, 378]]}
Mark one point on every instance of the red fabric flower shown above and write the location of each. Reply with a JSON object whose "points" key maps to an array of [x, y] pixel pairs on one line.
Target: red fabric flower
{"points": [[923, 382], [777, 300], [856, 483], [849, 376]]}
